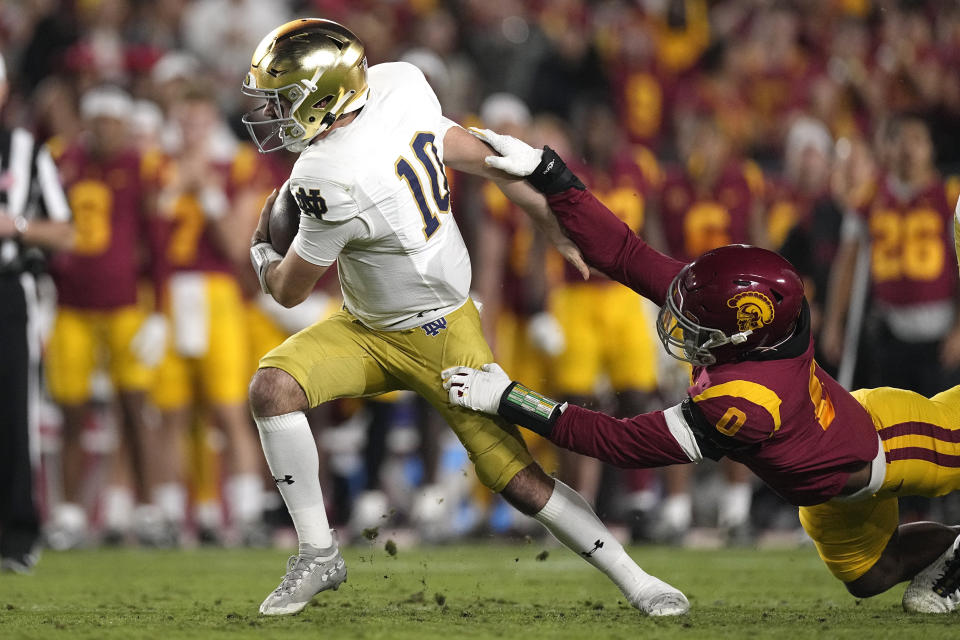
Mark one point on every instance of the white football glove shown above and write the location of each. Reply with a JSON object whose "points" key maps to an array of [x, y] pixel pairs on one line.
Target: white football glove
{"points": [[477, 389], [516, 157], [546, 334], [149, 344]]}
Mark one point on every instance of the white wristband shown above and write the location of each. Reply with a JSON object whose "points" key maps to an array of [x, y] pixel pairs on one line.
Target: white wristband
{"points": [[262, 255]]}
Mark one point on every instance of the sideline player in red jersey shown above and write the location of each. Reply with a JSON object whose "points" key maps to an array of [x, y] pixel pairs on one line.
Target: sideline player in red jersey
{"points": [[738, 315], [715, 199], [98, 315], [206, 363], [913, 284], [624, 180]]}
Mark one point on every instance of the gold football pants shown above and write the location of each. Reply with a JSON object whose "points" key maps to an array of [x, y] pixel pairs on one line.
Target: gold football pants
{"points": [[341, 358], [921, 442]]}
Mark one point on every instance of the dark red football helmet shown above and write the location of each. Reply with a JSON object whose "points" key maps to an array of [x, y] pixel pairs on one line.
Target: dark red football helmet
{"points": [[728, 302]]}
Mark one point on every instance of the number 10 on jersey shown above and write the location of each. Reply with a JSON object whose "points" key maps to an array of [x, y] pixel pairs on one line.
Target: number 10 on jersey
{"points": [[426, 153]]}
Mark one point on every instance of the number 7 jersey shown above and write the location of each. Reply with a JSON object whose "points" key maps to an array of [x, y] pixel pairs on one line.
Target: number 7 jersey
{"points": [[373, 196]]}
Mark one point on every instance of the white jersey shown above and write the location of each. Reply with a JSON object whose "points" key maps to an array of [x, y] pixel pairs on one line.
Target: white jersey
{"points": [[374, 197]]}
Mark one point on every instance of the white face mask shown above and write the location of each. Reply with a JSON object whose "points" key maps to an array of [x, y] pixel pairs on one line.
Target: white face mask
{"points": [[279, 129]]}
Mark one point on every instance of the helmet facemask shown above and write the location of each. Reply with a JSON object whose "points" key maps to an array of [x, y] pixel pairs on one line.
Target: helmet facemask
{"points": [[272, 126], [308, 72], [684, 338], [276, 123]]}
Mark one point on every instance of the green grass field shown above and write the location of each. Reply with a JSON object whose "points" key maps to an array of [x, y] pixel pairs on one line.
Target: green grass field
{"points": [[495, 591]]}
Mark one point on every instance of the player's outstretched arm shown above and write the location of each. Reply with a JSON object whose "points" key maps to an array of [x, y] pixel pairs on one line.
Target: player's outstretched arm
{"points": [[605, 241], [464, 152], [647, 440]]}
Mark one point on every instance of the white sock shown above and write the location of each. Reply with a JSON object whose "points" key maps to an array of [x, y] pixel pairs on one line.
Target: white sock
{"points": [[571, 520], [117, 508], [734, 506], [244, 493], [69, 516], [208, 515], [677, 512], [171, 497], [291, 454], [643, 500]]}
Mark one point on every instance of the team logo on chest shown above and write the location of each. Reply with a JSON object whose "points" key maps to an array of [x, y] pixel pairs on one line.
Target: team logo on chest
{"points": [[434, 328], [754, 310]]}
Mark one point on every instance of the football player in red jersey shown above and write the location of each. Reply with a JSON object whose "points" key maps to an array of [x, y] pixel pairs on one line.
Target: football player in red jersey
{"points": [[199, 203], [98, 316], [914, 285], [714, 199], [738, 315], [805, 180], [624, 179]]}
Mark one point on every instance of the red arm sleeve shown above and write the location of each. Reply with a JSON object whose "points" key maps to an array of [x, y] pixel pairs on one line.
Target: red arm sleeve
{"points": [[639, 442], [609, 245]]}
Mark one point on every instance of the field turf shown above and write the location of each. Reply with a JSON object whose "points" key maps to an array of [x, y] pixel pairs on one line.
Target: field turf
{"points": [[477, 591]]}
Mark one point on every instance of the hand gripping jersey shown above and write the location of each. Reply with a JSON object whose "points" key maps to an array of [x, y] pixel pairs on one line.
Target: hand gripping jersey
{"points": [[401, 259], [783, 417]]}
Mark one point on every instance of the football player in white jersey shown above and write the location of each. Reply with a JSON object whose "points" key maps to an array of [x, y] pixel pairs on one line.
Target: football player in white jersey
{"points": [[373, 196]]}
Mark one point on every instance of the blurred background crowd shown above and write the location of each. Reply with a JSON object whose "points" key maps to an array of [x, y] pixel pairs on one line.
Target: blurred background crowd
{"points": [[825, 129]]}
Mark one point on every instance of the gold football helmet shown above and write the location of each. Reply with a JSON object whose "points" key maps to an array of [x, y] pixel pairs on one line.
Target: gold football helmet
{"points": [[309, 72]]}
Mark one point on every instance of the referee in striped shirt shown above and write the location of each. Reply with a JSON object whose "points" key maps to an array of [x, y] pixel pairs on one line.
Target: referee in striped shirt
{"points": [[34, 215]]}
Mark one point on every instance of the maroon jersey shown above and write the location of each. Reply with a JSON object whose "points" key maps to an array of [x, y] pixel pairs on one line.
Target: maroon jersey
{"points": [[784, 418], [696, 221], [624, 188], [190, 243], [912, 245], [107, 198], [776, 92], [643, 97], [786, 208], [519, 237]]}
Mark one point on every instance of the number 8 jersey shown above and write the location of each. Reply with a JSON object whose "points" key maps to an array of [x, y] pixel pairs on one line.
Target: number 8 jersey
{"points": [[373, 197]]}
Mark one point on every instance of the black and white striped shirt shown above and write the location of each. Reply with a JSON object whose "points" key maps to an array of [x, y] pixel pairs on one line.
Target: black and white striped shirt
{"points": [[29, 187]]}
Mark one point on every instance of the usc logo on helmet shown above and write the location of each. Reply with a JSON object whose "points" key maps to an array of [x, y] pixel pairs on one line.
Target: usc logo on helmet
{"points": [[754, 310]]}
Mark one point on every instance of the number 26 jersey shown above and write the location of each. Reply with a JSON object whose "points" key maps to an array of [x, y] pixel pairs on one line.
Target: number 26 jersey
{"points": [[374, 197]]}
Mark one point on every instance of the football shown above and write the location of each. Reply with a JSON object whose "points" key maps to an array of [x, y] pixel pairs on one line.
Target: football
{"points": [[284, 220]]}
